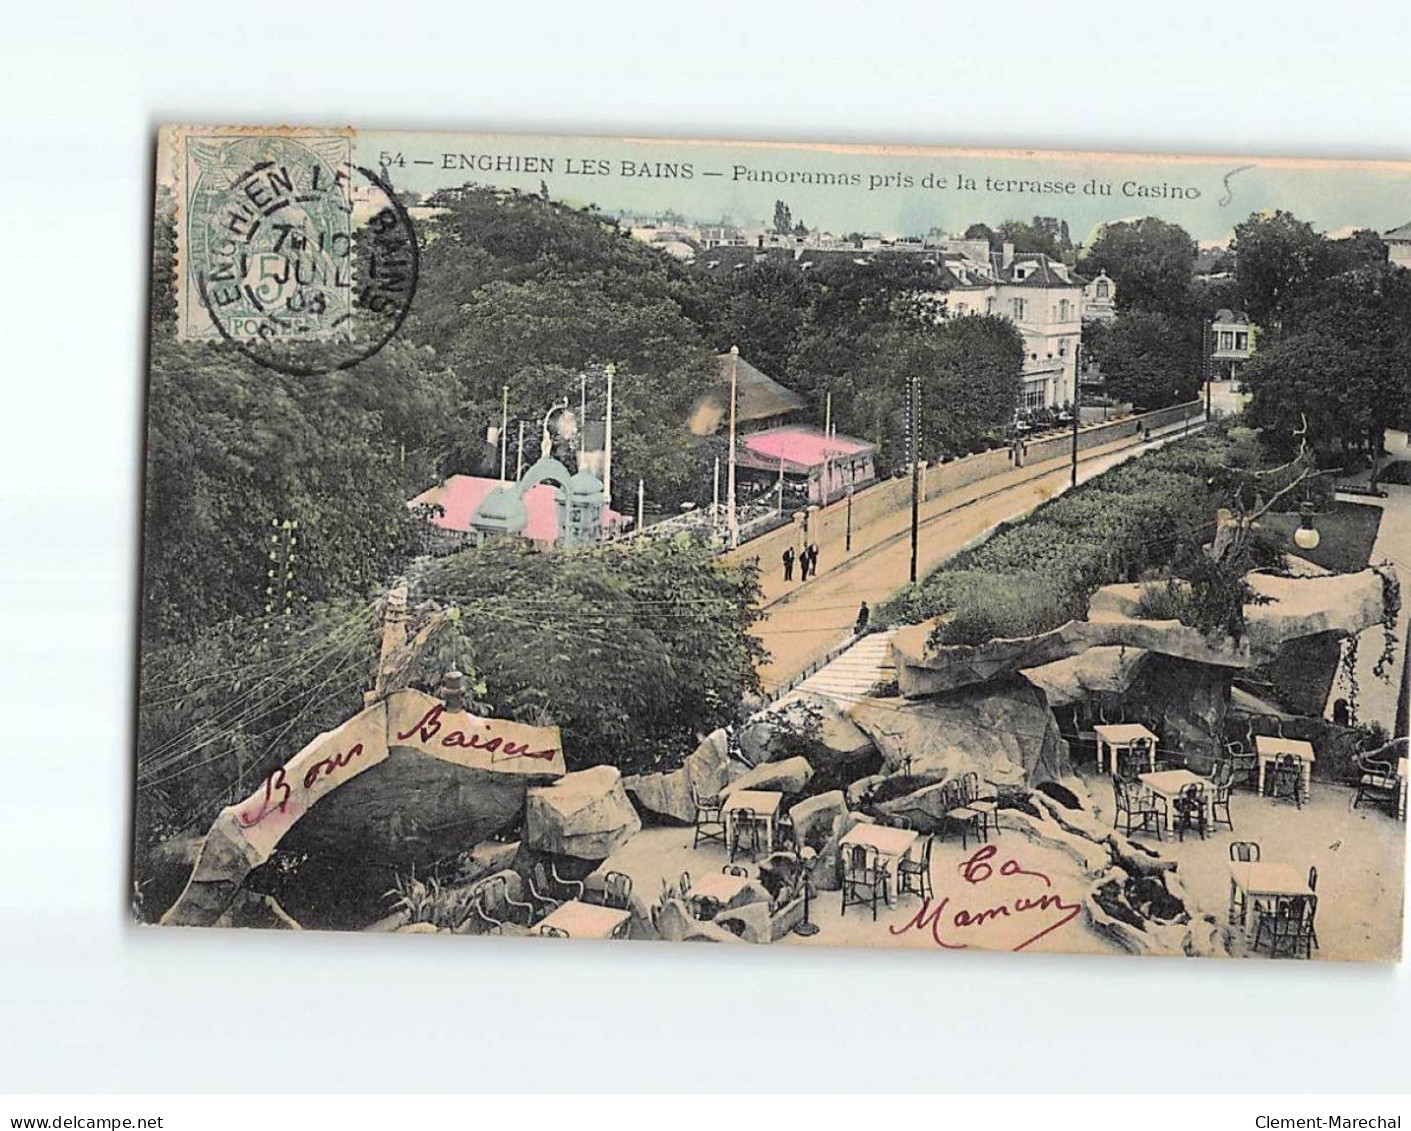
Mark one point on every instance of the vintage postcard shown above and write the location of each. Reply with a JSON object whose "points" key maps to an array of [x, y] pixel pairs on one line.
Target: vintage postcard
{"points": [[587, 538]]}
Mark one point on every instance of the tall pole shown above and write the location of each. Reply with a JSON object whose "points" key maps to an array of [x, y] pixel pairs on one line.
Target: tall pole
{"points": [[641, 505], [715, 499], [781, 484], [732, 522], [1077, 407], [582, 415], [1207, 349], [504, 430], [607, 440], [519, 459], [847, 545], [914, 412]]}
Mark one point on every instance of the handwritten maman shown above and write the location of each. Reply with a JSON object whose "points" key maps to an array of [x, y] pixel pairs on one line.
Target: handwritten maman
{"points": [[948, 928]]}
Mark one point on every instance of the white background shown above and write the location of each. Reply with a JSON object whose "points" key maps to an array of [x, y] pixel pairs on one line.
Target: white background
{"points": [[88, 1003]]}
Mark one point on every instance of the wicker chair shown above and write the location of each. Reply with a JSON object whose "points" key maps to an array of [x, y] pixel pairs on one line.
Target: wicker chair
{"points": [[915, 875], [1289, 927], [1136, 809], [1190, 808], [1221, 783], [960, 815], [863, 879], [744, 827], [1377, 784], [617, 891], [1284, 779], [710, 821]]}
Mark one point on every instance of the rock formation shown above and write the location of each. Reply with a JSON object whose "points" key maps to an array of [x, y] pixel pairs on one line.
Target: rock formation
{"points": [[584, 814]]}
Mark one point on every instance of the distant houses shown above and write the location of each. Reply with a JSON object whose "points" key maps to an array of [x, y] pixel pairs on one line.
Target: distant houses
{"points": [[1398, 242]]}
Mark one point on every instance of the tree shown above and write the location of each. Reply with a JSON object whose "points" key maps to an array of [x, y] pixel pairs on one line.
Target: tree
{"points": [[1343, 364], [983, 232], [1151, 262], [1145, 358], [633, 649], [1044, 234], [1279, 261], [783, 220]]}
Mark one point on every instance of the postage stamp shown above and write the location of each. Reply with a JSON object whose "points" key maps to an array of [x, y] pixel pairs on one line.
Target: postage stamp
{"points": [[283, 242]]}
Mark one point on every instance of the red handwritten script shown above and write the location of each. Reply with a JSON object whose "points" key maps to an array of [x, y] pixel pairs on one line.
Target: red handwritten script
{"points": [[948, 927], [277, 782], [430, 726]]}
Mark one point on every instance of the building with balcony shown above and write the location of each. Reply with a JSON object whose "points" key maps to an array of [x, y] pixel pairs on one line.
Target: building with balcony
{"points": [[1231, 344]]}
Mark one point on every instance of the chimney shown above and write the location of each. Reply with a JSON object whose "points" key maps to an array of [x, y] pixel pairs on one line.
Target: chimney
{"points": [[1006, 255]]}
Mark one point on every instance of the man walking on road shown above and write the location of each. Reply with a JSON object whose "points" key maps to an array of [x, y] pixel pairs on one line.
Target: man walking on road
{"points": [[864, 618], [788, 560]]}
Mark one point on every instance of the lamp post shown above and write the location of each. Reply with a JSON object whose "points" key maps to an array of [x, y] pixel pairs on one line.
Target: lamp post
{"points": [[504, 430], [808, 927], [546, 442], [1306, 537], [847, 544]]}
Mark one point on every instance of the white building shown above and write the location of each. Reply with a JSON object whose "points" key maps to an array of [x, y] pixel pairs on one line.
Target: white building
{"points": [[1398, 243], [1231, 343], [1100, 298], [1043, 299]]}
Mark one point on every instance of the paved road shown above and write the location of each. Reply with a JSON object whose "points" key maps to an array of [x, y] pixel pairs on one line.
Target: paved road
{"points": [[813, 618]]}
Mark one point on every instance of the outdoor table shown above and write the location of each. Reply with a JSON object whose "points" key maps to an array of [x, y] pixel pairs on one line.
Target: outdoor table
{"points": [[1265, 881], [1401, 801], [581, 920], [892, 845], [1169, 783], [1112, 737], [1268, 748], [764, 802], [719, 886]]}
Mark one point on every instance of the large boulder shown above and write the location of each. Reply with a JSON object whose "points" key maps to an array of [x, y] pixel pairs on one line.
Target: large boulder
{"points": [[706, 769], [1288, 608], [788, 776], [1001, 730], [815, 817], [1107, 669], [585, 815], [811, 726]]}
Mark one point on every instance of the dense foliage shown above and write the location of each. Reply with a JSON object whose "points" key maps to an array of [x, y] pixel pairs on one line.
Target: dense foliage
{"points": [[1141, 520], [631, 648]]}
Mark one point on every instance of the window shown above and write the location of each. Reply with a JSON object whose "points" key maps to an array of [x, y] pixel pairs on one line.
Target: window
{"points": [[1062, 347], [960, 308], [1036, 394], [1016, 309], [1102, 290], [1227, 340], [1241, 341], [990, 305], [1063, 310]]}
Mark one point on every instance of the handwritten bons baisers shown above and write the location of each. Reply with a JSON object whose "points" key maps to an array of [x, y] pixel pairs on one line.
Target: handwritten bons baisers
{"points": [[951, 927], [284, 785]]}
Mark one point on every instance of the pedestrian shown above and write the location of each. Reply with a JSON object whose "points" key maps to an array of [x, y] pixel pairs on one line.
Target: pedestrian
{"points": [[788, 560], [803, 563], [813, 559], [864, 615]]}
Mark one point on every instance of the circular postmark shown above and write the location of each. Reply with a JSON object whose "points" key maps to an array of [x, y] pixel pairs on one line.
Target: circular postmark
{"points": [[301, 260]]}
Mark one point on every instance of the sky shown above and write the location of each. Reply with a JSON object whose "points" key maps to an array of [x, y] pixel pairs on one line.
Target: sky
{"points": [[901, 191]]}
